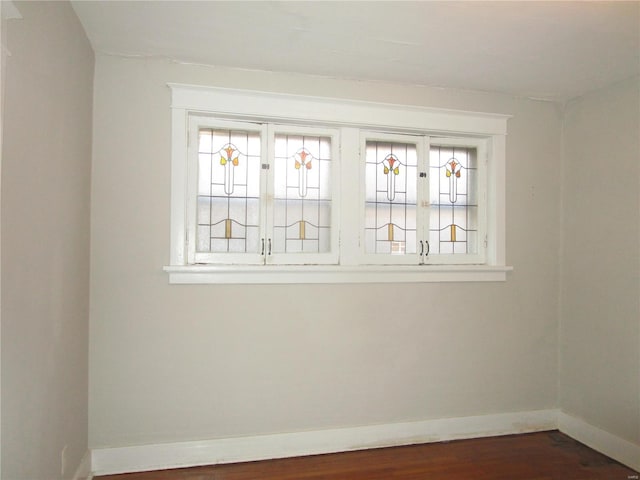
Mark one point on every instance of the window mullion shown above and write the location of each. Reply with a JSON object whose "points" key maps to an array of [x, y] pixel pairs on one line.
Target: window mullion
{"points": [[423, 207], [266, 192]]}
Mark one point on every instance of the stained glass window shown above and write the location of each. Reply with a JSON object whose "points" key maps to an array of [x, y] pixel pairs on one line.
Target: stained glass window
{"points": [[390, 203], [228, 207], [453, 219], [302, 194]]}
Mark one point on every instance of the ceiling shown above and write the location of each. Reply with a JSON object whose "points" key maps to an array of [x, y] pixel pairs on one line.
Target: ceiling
{"points": [[548, 50]]}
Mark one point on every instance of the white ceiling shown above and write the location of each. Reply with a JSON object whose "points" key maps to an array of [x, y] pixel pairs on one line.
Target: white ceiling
{"points": [[550, 50]]}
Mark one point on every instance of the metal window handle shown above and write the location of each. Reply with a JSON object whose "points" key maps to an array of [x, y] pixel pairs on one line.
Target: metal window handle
{"points": [[262, 252], [421, 248], [269, 247], [427, 254]]}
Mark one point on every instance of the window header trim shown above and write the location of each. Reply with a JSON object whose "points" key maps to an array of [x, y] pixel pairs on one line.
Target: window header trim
{"points": [[274, 107]]}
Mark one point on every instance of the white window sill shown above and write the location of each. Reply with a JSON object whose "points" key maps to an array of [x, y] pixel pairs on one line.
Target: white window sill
{"points": [[289, 274]]}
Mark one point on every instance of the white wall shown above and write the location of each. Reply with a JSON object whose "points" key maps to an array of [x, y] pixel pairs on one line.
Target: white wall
{"points": [[600, 314], [46, 161], [172, 363]]}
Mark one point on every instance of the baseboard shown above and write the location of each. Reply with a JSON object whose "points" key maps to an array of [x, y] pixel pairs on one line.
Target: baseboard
{"points": [[106, 461], [84, 469], [619, 449]]}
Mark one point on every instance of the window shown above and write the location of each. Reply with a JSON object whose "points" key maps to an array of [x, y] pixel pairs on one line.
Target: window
{"points": [[263, 193], [425, 200], [278, 189]]}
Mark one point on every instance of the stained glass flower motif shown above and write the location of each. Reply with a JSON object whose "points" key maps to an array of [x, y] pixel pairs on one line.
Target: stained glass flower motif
{"points": [[303, 163], [391, 168], [452, 172], [229, 160]]}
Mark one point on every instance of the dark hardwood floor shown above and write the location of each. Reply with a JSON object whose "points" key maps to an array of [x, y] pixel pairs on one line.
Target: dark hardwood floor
{"points": [[535, 456]]}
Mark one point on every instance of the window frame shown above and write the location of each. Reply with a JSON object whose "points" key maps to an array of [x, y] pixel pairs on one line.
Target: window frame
{"points": [[349, 118]]}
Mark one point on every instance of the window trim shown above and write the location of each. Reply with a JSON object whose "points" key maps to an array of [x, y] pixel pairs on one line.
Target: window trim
{"points": [[351, 117]]}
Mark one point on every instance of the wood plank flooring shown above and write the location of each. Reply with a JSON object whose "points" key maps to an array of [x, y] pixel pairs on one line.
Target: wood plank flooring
{"points": [[536, 456]]}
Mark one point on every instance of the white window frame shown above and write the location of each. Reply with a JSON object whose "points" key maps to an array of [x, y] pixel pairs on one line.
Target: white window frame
{"points": [[349, 118]]}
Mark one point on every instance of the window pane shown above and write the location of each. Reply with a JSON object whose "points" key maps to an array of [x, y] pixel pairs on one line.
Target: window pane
{"points": [[454, 204], [390, 197], [302, 194], [228, 206]]}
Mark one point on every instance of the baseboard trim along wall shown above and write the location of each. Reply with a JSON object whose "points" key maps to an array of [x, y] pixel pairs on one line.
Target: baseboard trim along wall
{"points": [[604, 442], [227, 450]]}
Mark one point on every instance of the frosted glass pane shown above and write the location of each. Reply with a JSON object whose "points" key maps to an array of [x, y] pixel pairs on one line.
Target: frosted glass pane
{"points": [[294, 246], [203, 239], [237, 246], [472, 242], [294, 211], [279, 212], [383, 247], [325, 240], [410, 246], [204, 144], [446, 247], [324, 214], [253, 244], [310, 246], [370, 241], [203, 216], [279, 243], [434, 242], [204, 174]]}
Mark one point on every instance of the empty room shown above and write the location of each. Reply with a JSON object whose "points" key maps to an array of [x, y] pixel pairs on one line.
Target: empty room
{"points": [[319, 239]]}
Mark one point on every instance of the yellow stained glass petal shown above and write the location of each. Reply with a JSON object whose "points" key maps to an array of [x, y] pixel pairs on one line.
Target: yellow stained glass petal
{"points": [[396, 170], [297, 165], [223, 161], [386, 170]]}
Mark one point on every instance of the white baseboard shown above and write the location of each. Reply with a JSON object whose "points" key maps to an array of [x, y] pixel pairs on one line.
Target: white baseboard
{"points": [[619, 449], [227, 450], [84, 469]]}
